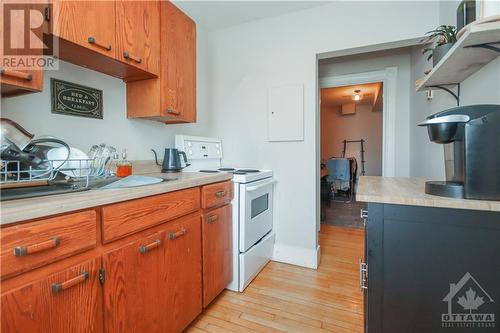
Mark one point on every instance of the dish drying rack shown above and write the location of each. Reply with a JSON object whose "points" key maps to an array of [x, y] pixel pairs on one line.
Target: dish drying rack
{"points": [[18, 174]]}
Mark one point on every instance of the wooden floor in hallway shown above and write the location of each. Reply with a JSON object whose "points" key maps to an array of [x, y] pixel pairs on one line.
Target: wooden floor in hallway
{"points": [[286, 298]]}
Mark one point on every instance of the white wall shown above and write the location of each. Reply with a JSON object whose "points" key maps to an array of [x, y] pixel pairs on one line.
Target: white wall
{"points": [[483, 87], [399, 58], [32, 111], [250, 58], [364, 124]]}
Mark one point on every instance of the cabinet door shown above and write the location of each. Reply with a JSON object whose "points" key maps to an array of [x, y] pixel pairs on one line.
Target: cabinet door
{"points": [[183, 279], [134, 291], [90, 24], [217, 252], [16, 80], [138, 34], [63, 302], [178, 70]]}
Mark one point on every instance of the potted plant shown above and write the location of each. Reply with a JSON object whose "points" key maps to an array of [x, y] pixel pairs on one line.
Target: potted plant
{"points": [[442, 39]]}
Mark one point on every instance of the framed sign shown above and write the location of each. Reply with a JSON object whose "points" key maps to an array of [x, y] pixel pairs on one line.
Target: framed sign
{"points": [[75, 100]]}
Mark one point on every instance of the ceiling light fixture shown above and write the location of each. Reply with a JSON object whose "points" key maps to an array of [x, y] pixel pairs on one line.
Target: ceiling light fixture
{"points": [[357, 96]]}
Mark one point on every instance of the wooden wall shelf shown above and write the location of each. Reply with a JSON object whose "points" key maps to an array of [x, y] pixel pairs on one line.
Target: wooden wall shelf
{"points": [[469, 54]]}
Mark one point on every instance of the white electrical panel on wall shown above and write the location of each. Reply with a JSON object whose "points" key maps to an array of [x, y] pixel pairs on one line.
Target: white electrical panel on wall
{"points": [[286, 113]]}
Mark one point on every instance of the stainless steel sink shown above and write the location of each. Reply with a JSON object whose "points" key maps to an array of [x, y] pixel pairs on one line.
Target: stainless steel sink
{"points": [[57, 187]]}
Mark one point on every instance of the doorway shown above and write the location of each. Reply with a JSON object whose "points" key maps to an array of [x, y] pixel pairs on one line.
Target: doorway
{"points": [[351, 145]]}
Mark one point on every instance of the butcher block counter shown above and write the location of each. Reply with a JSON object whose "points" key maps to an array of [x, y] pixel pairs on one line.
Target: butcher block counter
{"points": [[106, 259], [417, 246], [411, 191]]}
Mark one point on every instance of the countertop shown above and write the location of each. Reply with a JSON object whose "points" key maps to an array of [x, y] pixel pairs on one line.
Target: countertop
{"points": [[25, 209], [411, 191]]}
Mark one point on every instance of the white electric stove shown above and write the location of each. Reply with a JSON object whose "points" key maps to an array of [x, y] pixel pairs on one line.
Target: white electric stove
{"points": [[253, 236]]}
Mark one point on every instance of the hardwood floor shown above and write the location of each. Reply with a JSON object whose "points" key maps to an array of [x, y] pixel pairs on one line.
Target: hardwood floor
{"points": [[286, 298]]}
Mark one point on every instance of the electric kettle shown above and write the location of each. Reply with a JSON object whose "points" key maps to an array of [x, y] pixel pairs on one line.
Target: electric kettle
{"points": [[172, 160]]}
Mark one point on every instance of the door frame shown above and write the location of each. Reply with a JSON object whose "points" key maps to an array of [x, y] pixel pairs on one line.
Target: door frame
{"points": [[389, 78]]}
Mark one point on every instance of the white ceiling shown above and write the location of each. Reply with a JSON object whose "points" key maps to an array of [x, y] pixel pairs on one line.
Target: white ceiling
{"points": [[215, 15]]}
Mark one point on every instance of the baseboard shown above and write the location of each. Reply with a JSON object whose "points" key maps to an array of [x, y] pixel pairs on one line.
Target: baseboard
{"points": [[296, 255]]}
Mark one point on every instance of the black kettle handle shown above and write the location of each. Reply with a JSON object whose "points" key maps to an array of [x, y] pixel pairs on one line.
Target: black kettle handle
{"points": [[185, 158]]}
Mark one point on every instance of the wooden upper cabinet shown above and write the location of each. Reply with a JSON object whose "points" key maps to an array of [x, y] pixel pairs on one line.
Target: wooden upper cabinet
{"points": [[178, 84], [67, 301], [172, 97], [90, 24], [138, 34], [15, 80]]}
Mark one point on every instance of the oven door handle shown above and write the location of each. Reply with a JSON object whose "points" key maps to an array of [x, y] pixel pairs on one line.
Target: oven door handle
{"points": [[255, 188]]}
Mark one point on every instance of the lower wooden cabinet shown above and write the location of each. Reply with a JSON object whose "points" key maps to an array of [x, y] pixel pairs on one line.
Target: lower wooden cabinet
{"points": [[153, 280], [154, 284], [67, 301], [217, 252], [133, 290], [183, 279]]}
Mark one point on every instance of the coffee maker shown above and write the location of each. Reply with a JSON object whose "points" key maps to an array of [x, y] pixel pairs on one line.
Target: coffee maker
{"points": [[471, 139]]}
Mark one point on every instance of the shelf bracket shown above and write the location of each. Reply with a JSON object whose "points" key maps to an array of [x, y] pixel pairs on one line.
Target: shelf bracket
{"points": [[449, 91], [488, 46]]}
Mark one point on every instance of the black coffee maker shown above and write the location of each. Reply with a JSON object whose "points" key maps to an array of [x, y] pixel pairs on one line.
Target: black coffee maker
{"points": [[471, 139], [172, 160]]}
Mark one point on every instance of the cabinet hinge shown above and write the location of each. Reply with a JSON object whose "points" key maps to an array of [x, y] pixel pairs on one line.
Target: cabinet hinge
{"points": [[47, 13], [102, 275]]}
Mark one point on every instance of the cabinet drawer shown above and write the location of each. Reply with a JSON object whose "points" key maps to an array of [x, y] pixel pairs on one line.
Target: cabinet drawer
{"points": [[216, 194], [31, 245], [125, 218]]}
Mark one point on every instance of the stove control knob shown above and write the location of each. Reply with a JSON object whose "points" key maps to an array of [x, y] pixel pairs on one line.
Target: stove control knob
{"points": [[218, 152], [190, 152]]}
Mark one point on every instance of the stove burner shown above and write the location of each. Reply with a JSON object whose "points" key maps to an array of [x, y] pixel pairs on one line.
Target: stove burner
{"points": [[239, 172], [227, 169], [209, 171], [248, 170]]}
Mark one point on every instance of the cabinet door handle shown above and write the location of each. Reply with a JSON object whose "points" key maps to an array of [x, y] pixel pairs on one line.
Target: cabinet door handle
{"points": [[175, 235], [172, 111], [220, 194], [93, 41], [212, 218], [363, 272], [20, 251], [17, 74], [58, 287], [127, 55], [148, 247]]}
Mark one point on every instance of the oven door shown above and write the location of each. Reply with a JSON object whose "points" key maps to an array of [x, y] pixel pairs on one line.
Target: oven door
{"points": [[256, 213]]}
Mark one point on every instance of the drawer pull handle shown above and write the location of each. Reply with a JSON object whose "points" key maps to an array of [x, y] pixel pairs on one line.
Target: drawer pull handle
{"points": [[213, 218], [175, 235], [127, 55], [92, 41], [58, 287], [220, 194], [146, 248], [21, 251], [16, 74], [172, 111]]}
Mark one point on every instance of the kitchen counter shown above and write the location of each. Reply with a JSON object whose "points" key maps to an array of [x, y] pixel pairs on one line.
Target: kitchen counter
{"points": [[26, 209], [411, 191]]}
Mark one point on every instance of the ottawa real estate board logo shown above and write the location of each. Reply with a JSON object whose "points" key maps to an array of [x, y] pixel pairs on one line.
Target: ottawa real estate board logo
{"points": [[26, 39], [468, 305]]}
